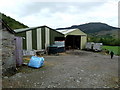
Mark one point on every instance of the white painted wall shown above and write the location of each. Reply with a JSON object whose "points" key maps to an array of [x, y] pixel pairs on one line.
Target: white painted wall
{"points": [[29, 40], [47, 37], [39, 39]]}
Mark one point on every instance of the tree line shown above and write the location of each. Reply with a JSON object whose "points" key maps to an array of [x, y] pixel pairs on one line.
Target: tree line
{"points": [[109, 40]]}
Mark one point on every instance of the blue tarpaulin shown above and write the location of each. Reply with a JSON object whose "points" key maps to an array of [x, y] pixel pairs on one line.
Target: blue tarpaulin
{"points": [[36, 62]]}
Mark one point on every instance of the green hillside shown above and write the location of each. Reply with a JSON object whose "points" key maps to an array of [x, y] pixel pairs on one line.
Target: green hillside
{"points": [[92, 27], [12, 22], [99, 32]]}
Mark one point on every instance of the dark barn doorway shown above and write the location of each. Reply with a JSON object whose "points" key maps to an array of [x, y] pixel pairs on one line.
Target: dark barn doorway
{"points": [[72, 42], [59, 38]]}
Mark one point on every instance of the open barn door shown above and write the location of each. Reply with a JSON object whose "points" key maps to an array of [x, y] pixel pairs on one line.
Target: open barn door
{"points": [[73, 42]]}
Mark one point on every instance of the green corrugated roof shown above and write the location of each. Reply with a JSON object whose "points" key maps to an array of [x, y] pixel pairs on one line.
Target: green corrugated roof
{"points": [[26, 29]]}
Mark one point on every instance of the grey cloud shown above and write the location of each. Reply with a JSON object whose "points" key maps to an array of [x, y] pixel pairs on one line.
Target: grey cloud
{"points": [[63, 7]]}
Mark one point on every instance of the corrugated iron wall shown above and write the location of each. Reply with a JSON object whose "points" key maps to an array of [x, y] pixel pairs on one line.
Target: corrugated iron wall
{"points": [[38, 38]]}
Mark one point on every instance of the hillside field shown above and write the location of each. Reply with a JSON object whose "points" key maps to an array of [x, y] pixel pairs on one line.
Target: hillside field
{"points": [[115, 49]]}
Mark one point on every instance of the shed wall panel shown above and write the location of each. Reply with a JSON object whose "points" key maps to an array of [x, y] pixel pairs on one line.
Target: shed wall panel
{"points": [[34, 39], [83, 41], [29, 40], [47, 37], [43, 37], [39, 39]]}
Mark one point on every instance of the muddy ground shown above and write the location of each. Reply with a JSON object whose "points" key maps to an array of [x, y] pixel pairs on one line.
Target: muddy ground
{"points": [[73, 69]]}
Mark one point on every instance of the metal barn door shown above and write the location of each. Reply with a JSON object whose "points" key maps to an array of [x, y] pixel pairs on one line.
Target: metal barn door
{"points": [[18, 51]]}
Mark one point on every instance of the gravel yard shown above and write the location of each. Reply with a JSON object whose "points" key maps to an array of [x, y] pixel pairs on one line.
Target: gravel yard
{"points": [[73, 69]]}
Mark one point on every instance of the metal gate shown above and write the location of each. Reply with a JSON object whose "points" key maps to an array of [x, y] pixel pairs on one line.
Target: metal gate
{"points": [[18, 51]]}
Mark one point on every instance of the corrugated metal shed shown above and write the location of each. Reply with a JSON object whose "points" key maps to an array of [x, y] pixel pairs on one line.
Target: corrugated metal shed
{"points": [[38, 38], [75, 38]]}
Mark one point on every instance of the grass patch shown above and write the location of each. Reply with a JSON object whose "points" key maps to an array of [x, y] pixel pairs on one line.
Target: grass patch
{"points": [[115, 49]]}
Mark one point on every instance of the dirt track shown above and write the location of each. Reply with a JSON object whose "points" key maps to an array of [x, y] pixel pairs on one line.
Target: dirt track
{"points": [[73, 69]]}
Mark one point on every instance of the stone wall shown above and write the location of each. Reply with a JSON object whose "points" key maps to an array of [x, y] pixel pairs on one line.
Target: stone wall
{"points": [[8, 55]]}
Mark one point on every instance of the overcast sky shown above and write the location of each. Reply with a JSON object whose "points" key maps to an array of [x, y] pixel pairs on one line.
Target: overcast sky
{"points": [[61, 13]]}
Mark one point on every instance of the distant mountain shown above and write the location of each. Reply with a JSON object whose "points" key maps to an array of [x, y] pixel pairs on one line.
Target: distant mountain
{"points": [[99, 32], [92, 27], [12, 22]]}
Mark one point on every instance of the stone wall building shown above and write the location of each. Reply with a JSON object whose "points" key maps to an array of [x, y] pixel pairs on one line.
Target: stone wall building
{"points": [[8, 48]]}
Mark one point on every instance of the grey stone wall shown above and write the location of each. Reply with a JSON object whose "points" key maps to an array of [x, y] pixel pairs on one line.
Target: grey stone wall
{"points": [[8, 55]]}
